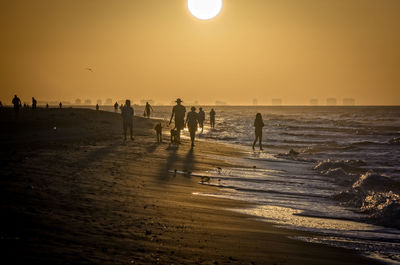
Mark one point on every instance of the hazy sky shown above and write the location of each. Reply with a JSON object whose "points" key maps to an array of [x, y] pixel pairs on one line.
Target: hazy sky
{"points": [[264, 49]]}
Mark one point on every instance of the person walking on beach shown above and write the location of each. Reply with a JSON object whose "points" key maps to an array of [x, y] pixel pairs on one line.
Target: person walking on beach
{"points": [[127, 118], [148, 110], [1, 105], [34, 103], [116, 107], [192, 120], [179, 112], [202, 117], [258, 124], [97, 107], [60, 105], [17, 105], [212, 118], [158, 129]]}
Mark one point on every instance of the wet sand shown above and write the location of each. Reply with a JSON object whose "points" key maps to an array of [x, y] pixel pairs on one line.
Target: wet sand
{"points": [[72, 192]]}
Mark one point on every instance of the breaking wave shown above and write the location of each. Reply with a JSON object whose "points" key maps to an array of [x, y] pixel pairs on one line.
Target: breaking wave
{"points": [[376, 195]]}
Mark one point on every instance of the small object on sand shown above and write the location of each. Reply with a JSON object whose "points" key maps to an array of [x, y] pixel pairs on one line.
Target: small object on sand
{"points": [[205, 179], [148, 232], [219, 170], [54, 128], [254, 167], [293, 152]]}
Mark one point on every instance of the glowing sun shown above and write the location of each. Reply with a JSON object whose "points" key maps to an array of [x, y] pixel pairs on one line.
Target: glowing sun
{"points": [[204, 9]]}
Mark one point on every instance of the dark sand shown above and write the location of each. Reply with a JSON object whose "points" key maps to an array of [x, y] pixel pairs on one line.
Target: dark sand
{"points": [[78, 194]]}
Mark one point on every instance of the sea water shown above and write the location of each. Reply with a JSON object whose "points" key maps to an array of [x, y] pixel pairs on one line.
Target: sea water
{"points": [[341, 180]]}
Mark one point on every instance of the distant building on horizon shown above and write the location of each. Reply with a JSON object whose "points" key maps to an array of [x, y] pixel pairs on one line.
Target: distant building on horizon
{"points": [[87, 102], [143, 101], [218, 102], [108, 101], [331, 101], [349, 101], [276, 101], [78, 101], [255, 101], [313, 101]]}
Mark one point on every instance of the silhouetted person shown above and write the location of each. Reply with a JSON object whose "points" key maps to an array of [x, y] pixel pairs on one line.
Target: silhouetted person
{"points": [[212, 118], [148, 110], [17, 105], [97, 107], [115, 107], [60, 105], [158, 129], [192, 120], [258, 124], [179, 112], [127, 118], [1, 105], [34, 103], [202, 117], [47, 105]]}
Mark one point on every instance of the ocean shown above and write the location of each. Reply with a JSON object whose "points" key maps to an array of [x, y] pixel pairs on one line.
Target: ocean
{"points": [[330, 170]]}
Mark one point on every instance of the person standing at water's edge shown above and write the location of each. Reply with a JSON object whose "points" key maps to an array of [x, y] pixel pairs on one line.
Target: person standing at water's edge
{"points": [[202, 117], [258, 124], [116, 107], [148, 110], [17, 105], [212, 118], [127, 118], [192, 120], [34, 103], [179, 112]]}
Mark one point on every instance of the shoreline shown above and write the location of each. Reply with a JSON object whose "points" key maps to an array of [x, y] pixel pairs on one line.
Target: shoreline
{"points": [[78, 194]]}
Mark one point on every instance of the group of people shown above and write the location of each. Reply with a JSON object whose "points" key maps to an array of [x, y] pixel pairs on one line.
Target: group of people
{"points": [[193, 121], [17, 104]]}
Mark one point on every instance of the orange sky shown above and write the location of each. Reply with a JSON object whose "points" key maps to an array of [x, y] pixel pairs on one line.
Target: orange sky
{"points": [[290, 49]]}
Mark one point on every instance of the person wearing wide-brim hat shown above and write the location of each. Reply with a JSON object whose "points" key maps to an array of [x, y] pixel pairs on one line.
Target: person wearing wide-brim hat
{"points": [[179, 112]]}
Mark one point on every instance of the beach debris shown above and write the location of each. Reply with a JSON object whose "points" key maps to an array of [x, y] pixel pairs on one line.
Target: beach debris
{"points": [[292, 152], [205, 179]]}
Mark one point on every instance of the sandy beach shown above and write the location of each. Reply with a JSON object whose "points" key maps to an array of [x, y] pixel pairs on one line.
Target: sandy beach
{"points": [[73, 192]]}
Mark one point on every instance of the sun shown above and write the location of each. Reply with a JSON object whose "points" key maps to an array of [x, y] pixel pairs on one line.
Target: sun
{"points": [[204, 9]]}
